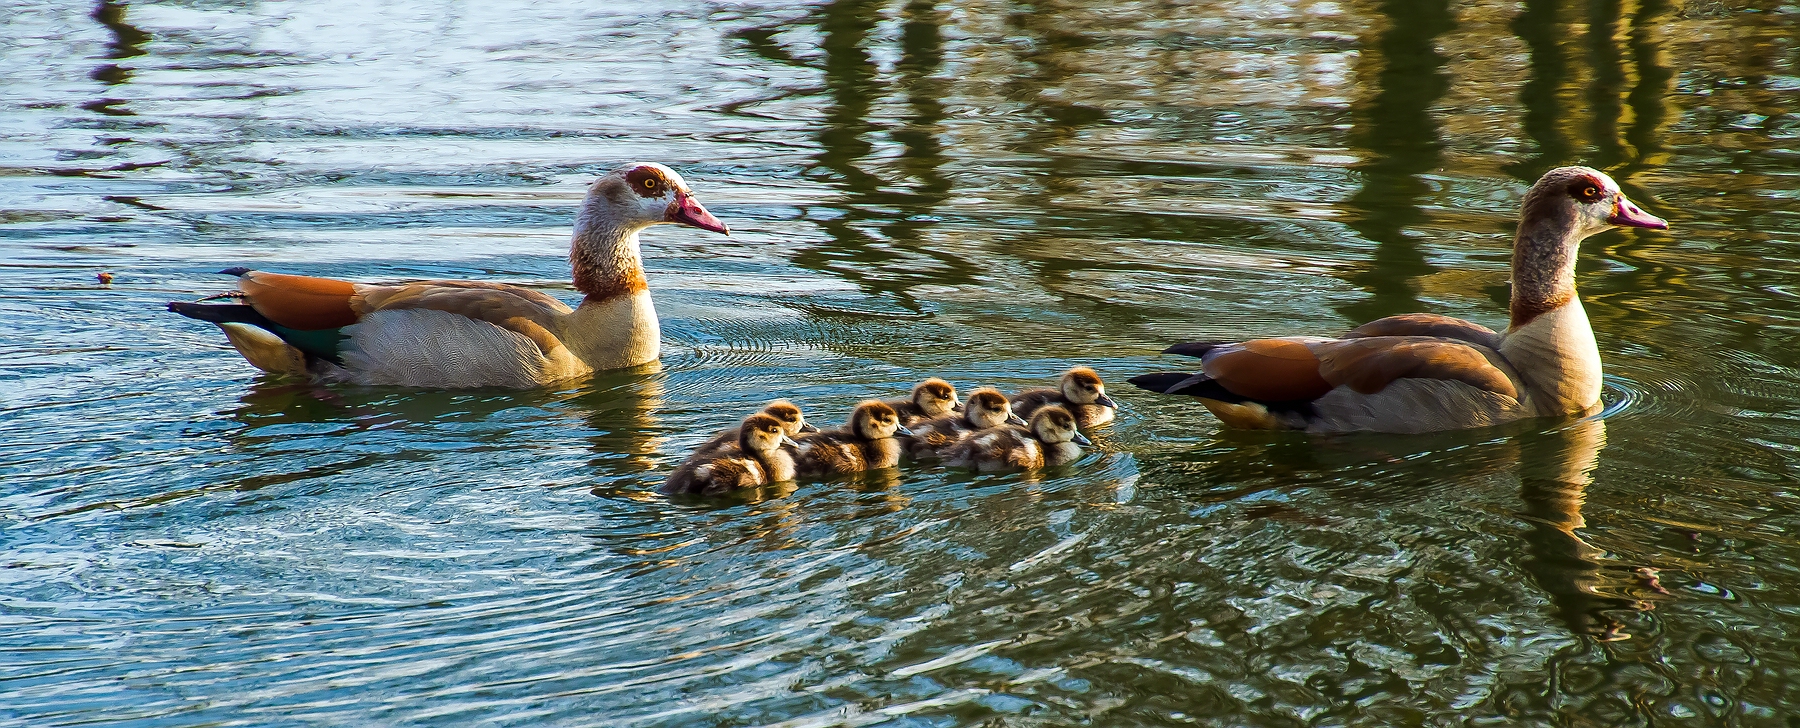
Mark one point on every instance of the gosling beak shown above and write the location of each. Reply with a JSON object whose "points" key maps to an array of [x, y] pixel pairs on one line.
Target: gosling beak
{"points": [[687, 211], [788, 441], [1014, 419], [1626, 214], [1081, 439], [901, 430], [957, 407], [1105, 401], [809, 427]]}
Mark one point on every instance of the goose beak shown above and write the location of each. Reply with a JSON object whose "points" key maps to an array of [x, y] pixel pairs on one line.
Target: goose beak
{"points": [[1081, 439], [956, 407], [809, 427], [687, 211], [1014, 419], [1626, 214], [901, 430], [788, 441], [1105, 401]]}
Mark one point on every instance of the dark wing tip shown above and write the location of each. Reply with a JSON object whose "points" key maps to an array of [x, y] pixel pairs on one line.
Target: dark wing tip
{"points": [[1161, 382], [238, 271], [1193, 348]]}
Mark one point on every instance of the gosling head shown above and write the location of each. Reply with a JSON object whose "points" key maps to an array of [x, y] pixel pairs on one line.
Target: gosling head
{"points": [[875, 420], [792, 419], [987, 407], [1082, 386], [1582, 200], [1053, 425], [935, 397], [762, 433], [641, 194]]}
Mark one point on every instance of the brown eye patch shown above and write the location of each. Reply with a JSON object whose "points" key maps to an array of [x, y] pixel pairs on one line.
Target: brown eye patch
{"points": [[646, 181], [1587, 190]]}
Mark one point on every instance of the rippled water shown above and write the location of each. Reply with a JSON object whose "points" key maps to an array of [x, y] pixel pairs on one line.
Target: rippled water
{"points": [[984, 191]]}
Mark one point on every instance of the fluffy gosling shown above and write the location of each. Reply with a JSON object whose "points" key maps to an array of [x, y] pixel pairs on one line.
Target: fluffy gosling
{"points": [[931, 399], [793, 422], [866, 442], [1052, 439], [986, 408], [1080, 391], [760, 457]]}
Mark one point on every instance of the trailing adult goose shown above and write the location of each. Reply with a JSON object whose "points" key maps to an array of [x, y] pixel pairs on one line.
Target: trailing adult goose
{"points": [[931, 399], [986, 408], [760, 457], [865, 443], [470, 333], [793, 422], [1425, 372], [1080, 391], [1051, 439]]}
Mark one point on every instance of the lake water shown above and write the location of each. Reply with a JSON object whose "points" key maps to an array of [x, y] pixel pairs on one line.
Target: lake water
{"points": [[984, 191]]}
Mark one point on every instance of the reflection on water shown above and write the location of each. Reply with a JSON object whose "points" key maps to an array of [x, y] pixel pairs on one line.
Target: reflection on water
{"points": [[985, 191]]}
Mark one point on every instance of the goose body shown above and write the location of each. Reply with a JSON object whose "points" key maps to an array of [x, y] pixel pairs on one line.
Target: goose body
{"points": [[793, 422], [1424, 372], [1080, 391], [866, 442], [1052, 438], [471, 333], [987, 408], [931, 399], [759, 457]]}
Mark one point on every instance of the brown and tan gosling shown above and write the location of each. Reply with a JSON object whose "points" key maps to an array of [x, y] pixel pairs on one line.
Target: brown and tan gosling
{"points": [[793, 422], [866, 442], [759, 457], [931, 399], [1080, 392], [1051, 439], [986, 408]]}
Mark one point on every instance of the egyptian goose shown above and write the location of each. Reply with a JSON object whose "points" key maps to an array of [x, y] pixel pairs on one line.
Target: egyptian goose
{"points": [[931, 399], [1424, 372], [793, 422], [986, 408], [1051, 439], [1080, 391], [866, 442], [468, 333], [758, 458]]}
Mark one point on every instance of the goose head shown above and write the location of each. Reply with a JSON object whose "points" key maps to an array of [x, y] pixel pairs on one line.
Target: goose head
{"points": [[1053, 425], [640, 194], [1582, 201], [793, 421], [1082, 386], [987, 407], [762, 433], [935, 397], [875, 420]]}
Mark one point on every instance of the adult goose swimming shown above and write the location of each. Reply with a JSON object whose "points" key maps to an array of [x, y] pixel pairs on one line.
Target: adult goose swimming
{"points": [[1425, 372], [472, 333]]}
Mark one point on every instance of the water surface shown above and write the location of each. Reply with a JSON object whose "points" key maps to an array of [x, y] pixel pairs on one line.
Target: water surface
{"points": [[985, 191]]}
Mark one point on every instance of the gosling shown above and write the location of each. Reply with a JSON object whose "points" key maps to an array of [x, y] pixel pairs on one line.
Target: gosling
{"points": [[793, 422], [1052, 439], [931, 399], [1080, 391], [760, 457], [986, 408], [866, 442]]}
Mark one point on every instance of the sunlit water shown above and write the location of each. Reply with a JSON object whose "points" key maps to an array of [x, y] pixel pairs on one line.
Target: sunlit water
{"points": [[983, 191]]}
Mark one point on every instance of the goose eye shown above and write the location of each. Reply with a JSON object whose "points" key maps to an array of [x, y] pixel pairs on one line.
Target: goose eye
{"points": [[650, 183], [1591, 192]]}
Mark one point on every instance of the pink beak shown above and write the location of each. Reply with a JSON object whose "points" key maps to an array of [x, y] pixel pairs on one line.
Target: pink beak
{"points": [[1626, 214], [687, 211]]}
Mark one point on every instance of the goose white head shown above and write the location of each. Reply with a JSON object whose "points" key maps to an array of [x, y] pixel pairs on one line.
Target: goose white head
{"points": [[1584, 201], [1053, 425], [875, 420], [987, 407], [640, 194], [762, 433], [1082, 386]]}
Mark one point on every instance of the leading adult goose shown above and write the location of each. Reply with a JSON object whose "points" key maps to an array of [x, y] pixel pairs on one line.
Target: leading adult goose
{"points": [[470, 333], [1424, 372]]}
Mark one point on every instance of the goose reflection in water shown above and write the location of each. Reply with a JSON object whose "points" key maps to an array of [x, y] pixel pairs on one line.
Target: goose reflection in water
{"points": [[1586, 587]]}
